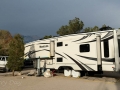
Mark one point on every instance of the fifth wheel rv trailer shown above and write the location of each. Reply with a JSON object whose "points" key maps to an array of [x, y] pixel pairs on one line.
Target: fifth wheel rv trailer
{"points": [[82, 52]]}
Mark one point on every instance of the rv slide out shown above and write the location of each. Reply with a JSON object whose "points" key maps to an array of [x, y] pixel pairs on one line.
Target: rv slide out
{"points": [[82, 52]]}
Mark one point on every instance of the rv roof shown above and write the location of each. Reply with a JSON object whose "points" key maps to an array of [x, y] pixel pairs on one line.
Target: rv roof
{"points": [[82, 33]]}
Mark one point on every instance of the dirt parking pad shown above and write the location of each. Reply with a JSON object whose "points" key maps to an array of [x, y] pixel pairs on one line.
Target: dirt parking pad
{"points": [[53, 83]]}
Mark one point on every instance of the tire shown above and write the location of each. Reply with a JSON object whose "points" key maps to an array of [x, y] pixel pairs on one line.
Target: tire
{"points": [[82, 73], [4, 70], [90, 73], [7, 69]]}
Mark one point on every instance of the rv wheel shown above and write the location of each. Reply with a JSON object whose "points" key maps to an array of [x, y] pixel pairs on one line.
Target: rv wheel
{"points": [[90, 73], [82, 73]]}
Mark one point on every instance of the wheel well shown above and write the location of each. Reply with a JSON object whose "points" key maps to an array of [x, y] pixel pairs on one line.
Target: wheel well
{"points": [[65, 67]]}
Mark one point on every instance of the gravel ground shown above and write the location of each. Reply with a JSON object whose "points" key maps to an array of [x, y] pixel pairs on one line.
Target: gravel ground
{"points": [[107, 81], [56, 83]]}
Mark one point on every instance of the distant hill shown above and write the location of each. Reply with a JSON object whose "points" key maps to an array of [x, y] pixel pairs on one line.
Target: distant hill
{"points": [[30, 38]]}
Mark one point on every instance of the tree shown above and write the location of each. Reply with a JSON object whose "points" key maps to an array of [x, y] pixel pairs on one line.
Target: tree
{"points": [[74, 26], [16, 53], [104, 27], [45, 37], [5, 38], [64, 30], [89, 29]]}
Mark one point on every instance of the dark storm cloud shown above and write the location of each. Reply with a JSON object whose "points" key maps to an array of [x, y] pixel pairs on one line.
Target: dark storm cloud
{"points": [[45, 17]]}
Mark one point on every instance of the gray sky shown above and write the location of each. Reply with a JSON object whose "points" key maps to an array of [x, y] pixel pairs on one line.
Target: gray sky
{"points": [[45, 17]]}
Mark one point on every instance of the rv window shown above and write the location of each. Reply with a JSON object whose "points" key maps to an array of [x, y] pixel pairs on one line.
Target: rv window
{"points": [[119, 46], [66, 44], [106, 48], [59, 44], [84, 48], [59, 59]]}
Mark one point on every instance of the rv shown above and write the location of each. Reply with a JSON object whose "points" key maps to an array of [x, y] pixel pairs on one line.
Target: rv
{"points": [[92, 52]]}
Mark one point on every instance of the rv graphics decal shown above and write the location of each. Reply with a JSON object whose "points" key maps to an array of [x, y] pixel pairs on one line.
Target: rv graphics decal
{"points": [[95, 59], [43, 43], [32, 52], [110, 33], [43, 46], [81, 67], [90, 69], [29, 45], [84, 37], [108, 36]]}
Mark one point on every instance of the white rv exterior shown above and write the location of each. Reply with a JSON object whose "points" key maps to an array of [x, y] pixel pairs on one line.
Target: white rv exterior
{"points": [[93, 51]]}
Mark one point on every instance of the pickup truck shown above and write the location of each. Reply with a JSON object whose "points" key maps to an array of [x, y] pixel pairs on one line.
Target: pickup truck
{"points": [[3, 62]]}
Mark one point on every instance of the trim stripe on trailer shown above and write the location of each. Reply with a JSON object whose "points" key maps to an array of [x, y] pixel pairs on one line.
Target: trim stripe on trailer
{"points": [[87, 66], [111, 37], [95, 59], [84, 37], [107, 35], [43, 43], [81, 67], [29, 45], [32, 52]]}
